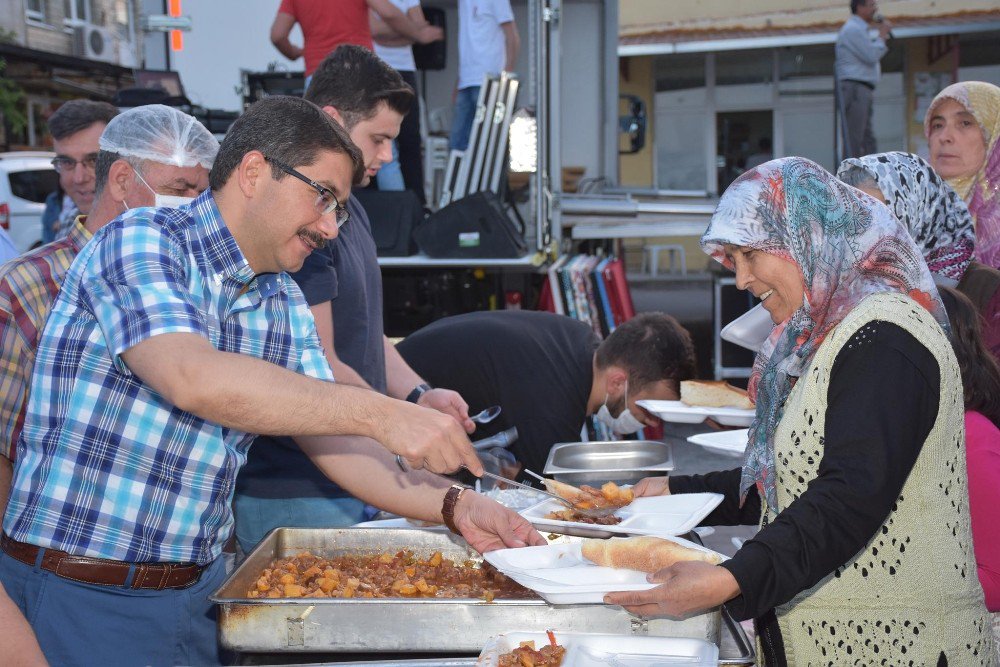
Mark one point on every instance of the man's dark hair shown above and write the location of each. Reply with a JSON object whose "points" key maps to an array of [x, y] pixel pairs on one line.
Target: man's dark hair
{"points": [[651, 347], [287, 129], [77, 115], [356, 82], [857, 3], [103, 167]]}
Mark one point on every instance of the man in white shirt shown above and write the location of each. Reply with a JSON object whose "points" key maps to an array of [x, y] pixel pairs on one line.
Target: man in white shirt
{"points": [[857, 66], [488, 42]]}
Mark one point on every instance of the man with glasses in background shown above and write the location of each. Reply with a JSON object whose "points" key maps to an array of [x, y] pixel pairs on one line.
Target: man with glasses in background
{"points": [[176, 337], [75, 127]]}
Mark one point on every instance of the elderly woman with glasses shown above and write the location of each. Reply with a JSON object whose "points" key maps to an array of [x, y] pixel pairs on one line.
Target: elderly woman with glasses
{"points": [[855, 465]]}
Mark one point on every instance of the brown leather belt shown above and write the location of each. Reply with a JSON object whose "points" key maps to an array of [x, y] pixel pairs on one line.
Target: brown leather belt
{"points": [[155, 576]]}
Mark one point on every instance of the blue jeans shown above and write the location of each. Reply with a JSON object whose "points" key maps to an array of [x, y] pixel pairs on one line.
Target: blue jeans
{"points": [[390, 176], [465, 113], [256, 517], [86, 624]]}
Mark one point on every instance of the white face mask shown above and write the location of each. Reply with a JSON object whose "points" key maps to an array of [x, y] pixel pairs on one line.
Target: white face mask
{"points": [[625, 423], [165, 201]]}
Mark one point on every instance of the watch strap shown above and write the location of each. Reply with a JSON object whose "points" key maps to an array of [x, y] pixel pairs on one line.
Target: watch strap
{"points": [[448, 508], [417, 392]]}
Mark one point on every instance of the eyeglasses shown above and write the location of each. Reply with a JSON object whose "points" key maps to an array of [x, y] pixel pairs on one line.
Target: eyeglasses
{"points": [[64, 165], [326, 201]]}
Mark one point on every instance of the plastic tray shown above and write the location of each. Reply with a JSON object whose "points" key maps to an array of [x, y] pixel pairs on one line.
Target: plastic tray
{"points": [[733, 443], [655, 515], [594, 650], [561, 575], [681, 413]]}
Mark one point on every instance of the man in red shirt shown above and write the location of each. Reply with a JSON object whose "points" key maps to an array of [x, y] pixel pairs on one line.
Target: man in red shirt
{"points": [[326, 24]]}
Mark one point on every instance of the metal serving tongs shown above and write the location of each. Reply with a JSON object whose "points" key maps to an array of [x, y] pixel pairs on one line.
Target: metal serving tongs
{"points": [[595, 513]]}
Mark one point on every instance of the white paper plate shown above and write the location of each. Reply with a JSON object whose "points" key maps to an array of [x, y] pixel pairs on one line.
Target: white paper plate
{"points": [[655, 515], [733, 443], [561, 575], [594, 650], [679, 413]]}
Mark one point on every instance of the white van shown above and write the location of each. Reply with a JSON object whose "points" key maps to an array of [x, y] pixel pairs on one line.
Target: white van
{"points": [[26, 179]]}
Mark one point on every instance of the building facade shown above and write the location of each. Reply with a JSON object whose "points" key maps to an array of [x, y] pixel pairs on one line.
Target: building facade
{"points": [[727, 84], [54, 50]]}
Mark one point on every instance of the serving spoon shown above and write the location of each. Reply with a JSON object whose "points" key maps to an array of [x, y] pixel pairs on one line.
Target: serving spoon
{"points": [[487, 415]]}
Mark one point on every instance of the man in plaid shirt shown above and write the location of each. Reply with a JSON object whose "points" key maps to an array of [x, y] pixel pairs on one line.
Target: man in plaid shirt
{"points": [[176, 338], [146, 153]]}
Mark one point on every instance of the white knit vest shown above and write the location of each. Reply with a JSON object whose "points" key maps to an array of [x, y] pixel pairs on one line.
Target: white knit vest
{"points": [[912, 591]]}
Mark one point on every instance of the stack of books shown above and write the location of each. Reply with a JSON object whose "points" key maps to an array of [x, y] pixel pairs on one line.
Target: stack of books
{"points": [[590, 288]]}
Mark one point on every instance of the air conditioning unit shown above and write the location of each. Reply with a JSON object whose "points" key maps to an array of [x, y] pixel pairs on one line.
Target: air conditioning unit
{"points": [[94, 43]]}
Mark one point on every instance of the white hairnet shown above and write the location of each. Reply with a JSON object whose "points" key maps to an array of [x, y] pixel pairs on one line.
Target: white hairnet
{"points": [[161, 134]]}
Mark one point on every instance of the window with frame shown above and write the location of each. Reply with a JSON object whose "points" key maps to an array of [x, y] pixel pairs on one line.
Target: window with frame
{"points": [[35, 10], [79, 11]]}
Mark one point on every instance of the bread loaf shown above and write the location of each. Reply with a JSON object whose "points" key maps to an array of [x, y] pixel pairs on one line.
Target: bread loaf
{"points": [[714, 394], [646, 554]]}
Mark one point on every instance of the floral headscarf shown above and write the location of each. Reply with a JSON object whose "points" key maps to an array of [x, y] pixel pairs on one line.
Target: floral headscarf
{"points": [[847, 246], [982, 190], [937, 218]]}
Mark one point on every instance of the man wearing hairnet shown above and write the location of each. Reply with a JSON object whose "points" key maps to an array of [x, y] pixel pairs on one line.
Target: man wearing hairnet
{"points": [[149, 156]]}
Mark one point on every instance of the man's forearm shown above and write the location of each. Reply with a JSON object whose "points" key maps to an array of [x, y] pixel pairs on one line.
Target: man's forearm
{"points": [[403, 26], [512, 45], [369, 472], [242, 392], [287, 49], [383, 35], [400, 378], [282, 402]]}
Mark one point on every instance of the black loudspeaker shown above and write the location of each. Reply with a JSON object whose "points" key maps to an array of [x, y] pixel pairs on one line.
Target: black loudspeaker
{"points": [[393, 216], [473, 227], [433, 56]]}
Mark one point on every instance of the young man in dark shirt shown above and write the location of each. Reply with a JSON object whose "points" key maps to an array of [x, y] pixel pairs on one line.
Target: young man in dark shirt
{"points": [[549, 372], [342, 284]]}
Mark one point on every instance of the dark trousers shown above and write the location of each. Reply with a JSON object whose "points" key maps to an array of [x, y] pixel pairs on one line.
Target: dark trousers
{"points": [[411, 159], [858, 106]]}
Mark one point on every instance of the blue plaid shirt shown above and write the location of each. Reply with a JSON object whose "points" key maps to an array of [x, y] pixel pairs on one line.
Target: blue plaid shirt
{"points": [[106, 467]]}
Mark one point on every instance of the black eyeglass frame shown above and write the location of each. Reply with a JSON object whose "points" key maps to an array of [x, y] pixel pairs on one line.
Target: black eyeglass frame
{"points": [[342, 214], [89, 163]]}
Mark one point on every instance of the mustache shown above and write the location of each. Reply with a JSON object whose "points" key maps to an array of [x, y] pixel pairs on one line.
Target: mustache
{"points": [[312, 238]]}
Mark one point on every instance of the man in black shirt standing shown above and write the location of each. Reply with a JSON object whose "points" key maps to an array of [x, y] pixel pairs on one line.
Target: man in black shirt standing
{"points": [[549, 372]]}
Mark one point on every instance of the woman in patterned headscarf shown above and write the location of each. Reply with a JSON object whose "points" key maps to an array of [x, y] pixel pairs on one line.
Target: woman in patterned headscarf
{"points": [[856, 455], [933, 213], [962, 126], [940, 223]]}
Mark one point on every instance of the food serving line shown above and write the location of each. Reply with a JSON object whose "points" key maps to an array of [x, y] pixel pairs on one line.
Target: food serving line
{"points": [[442, 631]]}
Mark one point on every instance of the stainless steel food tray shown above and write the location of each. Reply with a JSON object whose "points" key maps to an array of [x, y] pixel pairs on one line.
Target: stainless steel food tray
{"points": [[394, 625], [735, 650], [620, 461]]}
